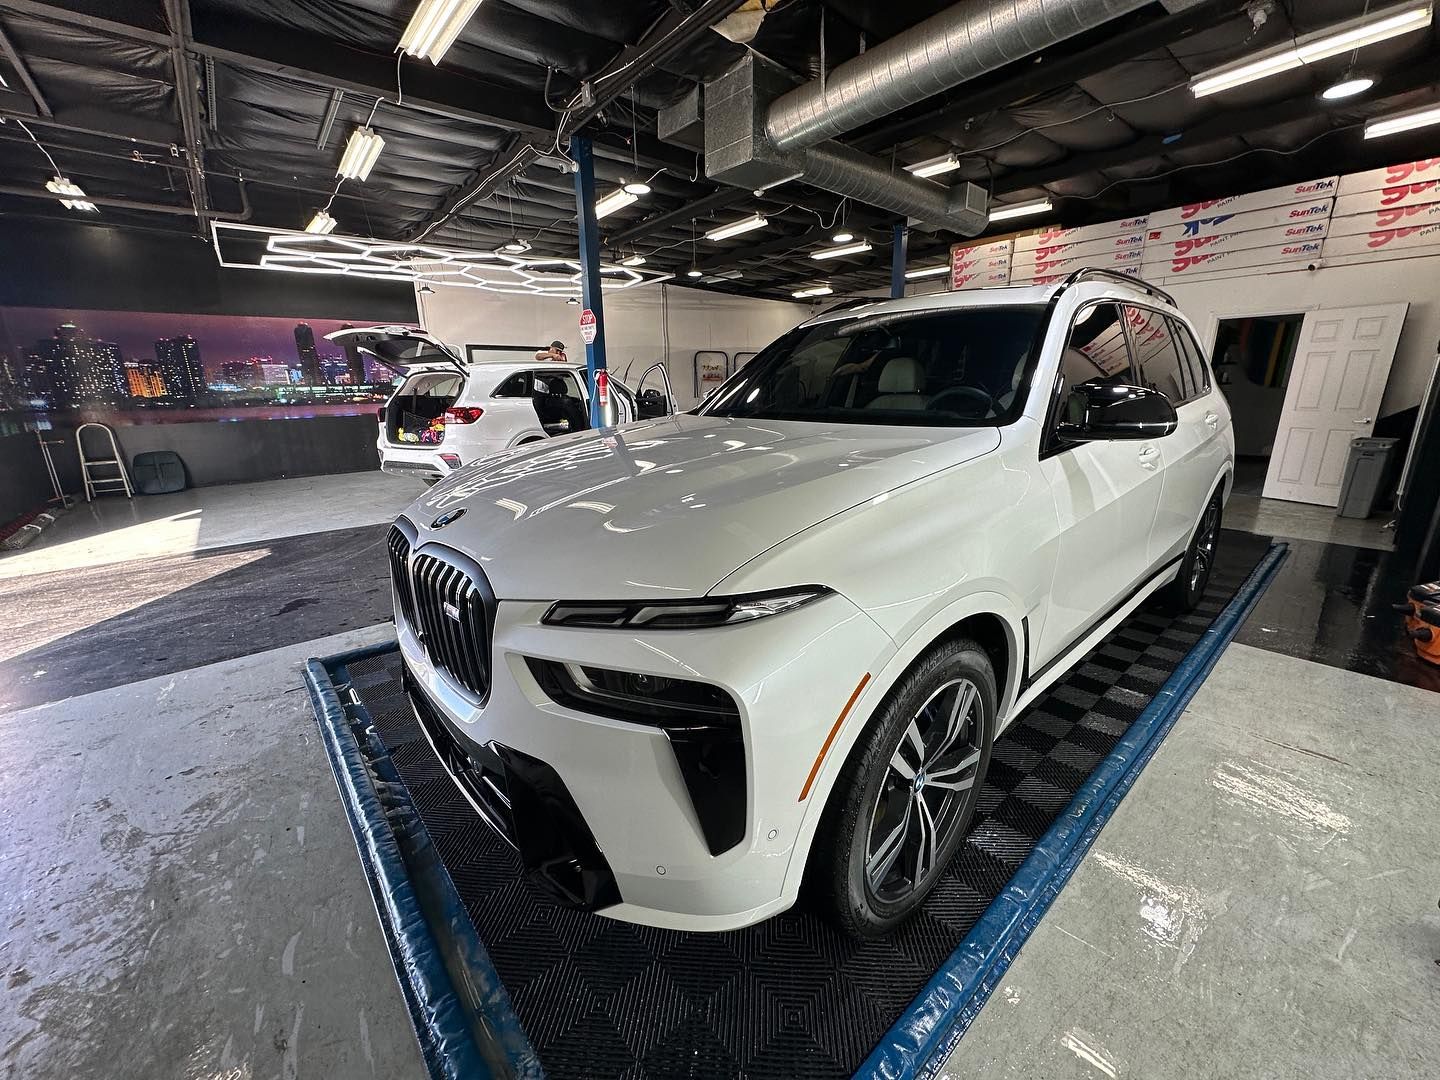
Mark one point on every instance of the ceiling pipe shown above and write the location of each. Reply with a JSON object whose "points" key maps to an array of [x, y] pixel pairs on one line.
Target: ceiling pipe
{"points": [[955, 46]]}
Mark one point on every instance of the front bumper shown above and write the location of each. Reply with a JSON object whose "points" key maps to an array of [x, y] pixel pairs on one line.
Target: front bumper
{"points": [[791, 675]]}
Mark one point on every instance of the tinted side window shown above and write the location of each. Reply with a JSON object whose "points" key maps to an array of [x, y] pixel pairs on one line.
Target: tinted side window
{"points": [[557, 382], [1096, 350], [517, 385], [1194, 359], [1159, 359]]}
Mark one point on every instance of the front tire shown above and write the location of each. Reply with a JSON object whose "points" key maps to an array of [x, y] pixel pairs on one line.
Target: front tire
{"points": [[908, 792], [1183, 595]]}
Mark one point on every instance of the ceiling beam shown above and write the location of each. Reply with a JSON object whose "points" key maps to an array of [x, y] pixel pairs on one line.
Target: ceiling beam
{"points": [[1221, 128], [716, 200], [109, 27], [23, 71], [187, 103], [1041, 74]]}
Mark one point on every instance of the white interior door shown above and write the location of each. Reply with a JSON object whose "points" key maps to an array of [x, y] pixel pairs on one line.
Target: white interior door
{"points": [[1342, 363]]}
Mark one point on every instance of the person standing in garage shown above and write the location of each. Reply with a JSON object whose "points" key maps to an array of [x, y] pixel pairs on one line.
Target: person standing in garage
{"points": [[555, 352]]}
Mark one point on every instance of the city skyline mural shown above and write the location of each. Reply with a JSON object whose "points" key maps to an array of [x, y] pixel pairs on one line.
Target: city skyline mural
{"points": [[147, 367]]}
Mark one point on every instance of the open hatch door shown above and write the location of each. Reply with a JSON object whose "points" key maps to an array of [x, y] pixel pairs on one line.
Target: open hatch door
{"points": [[399, 348]]}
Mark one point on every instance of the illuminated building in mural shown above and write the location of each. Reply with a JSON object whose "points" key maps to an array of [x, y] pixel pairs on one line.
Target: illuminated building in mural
{"points": [[179, 360], [144, 380]]}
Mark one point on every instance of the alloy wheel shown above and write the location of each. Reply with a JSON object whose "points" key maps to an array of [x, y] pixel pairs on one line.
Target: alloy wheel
{"points": [[1205, 539], [926, 785]]}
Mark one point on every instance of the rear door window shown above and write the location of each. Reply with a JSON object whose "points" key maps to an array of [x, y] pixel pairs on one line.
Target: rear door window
{"points": [[1191, 355], [1161, 367], [517, 385]]}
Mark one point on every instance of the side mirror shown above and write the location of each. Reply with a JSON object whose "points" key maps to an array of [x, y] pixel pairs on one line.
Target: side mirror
{"points": [[1096, 411]]}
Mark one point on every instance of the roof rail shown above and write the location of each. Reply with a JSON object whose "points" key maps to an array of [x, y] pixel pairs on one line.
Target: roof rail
{"points": [[1139, 283]]}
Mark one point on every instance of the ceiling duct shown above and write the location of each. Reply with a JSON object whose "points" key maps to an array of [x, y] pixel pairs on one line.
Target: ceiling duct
{"points": [[959, 44], [738, 151]]}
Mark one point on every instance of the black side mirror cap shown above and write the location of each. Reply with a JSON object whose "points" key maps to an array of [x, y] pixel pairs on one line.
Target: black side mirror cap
{"points": [[1097, 411]]}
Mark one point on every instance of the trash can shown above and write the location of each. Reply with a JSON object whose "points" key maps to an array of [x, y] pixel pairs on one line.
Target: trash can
{"points": [[1365, 473]]}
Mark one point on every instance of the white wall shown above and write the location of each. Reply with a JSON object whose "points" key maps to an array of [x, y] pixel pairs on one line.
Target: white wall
{"points": [[634, 325], [1416, 281]]}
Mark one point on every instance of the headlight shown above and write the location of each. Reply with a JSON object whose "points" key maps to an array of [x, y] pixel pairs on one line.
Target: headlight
{"points": [[680, 614]]}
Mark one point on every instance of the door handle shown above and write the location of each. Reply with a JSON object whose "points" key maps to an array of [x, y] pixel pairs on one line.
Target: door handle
{"points": [[1148, 456], [1362, 420], [1212, 419]]}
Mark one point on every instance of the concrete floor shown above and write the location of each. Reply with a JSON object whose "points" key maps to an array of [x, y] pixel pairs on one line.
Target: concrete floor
{"points": [[1262, 904], [181, 896]]}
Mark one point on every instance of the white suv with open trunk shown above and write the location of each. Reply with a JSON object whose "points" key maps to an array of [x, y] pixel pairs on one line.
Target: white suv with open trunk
{"points": [[447, 412], [684, 665]]}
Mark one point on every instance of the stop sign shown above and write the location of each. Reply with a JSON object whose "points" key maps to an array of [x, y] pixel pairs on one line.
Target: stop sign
{"points": [[588, 325]]}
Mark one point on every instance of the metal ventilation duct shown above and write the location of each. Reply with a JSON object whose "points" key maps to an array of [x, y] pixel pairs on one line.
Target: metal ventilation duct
{"points": [[959, 44]]}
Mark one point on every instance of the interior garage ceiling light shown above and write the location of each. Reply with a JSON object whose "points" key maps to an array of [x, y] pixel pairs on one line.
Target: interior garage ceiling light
{"points": [[1024, 209], [844, 249], [735, 228], [935, 166], [1308, 48], [928, 271], [818, 290], [515, 246], [616, 200], [1406, 121], [435, 26], [71, 195], [843, 237], [694, 272], [360, 154], [322, 223], [633, 260], [1347, 87], [636, 187]]}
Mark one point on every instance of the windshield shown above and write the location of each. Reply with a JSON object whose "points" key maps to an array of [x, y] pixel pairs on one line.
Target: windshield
{"points": [[966, 367]]}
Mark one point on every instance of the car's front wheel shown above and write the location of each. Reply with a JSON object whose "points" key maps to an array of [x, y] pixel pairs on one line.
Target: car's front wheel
{"points": [[908, 791]]}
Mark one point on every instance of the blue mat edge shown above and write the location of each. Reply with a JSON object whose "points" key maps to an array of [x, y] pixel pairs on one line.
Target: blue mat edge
{"points": [[919, 1042], [437, 1015]]}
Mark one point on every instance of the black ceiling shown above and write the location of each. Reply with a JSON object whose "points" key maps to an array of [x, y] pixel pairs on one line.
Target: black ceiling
{"points": [[1104, 123]]}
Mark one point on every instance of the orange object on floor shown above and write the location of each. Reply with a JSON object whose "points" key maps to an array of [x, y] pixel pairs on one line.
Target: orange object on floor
{"points": [[1425, 632]]}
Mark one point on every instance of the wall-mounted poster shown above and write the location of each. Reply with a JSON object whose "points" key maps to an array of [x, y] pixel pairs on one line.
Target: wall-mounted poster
{"points": [[127, 367]]}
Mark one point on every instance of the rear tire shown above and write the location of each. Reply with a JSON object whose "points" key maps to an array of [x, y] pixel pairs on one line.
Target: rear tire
{"points": [[1183, 595], [908, 792]]}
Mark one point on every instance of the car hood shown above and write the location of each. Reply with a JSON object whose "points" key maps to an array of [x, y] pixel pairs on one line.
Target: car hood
{"points": [[670, 507]]}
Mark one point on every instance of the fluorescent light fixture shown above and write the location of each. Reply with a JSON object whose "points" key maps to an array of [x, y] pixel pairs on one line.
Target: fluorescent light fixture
{"points": [[321, 223], [1308, 48], [616, 200], [1347, 87], [435, 26], [844, 249], [71, 195], [633, 260], [927, 271], [735, 228], [844, 236], [817, 290], [1038, 206], [636, 187], [360, 154], [935, 166], [1406, 121]]}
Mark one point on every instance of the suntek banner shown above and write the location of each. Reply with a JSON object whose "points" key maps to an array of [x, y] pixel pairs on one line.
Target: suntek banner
{"points": [[1054, 235], [1108, 245], [979, 279], [1410, 172], [1207, 262], [1392, 217], [1159, 252], [1383, 241], [1025, 265], [1415, 193], [978, 265], [1310, 191], [1298, 218], [1056, 279]]}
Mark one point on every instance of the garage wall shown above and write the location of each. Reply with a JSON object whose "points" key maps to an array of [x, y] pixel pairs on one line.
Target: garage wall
{"points": [[634, 325], [1416, 281]]}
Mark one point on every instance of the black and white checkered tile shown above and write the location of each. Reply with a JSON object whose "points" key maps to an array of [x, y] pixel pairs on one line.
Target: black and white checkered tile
{"points": [[791, 998]]}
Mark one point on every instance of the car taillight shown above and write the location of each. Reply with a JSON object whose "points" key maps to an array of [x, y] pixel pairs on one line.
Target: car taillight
{"points": [[466, 414], [453, 460], [380, 414]]}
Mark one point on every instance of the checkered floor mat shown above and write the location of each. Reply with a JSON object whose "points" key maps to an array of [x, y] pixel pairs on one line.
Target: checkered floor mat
{"points": [[791, 998]]}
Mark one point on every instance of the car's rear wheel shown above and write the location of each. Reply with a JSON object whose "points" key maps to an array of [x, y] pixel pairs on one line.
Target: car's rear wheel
{"points": [[1188, 589], [908, 791]]}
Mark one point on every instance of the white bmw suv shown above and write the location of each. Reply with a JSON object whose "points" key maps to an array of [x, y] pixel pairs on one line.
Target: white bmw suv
{"points": [[683, 665], [447, 412]]}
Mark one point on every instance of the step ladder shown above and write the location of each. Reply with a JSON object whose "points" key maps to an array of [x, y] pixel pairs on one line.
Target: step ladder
{"points": [[95, 483]]}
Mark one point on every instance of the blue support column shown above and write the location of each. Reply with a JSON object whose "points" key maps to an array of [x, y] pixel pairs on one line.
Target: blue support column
{"points": [[899, 248], [590, 291]]}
